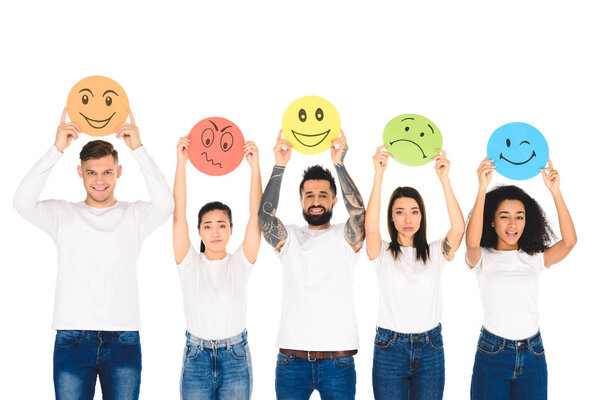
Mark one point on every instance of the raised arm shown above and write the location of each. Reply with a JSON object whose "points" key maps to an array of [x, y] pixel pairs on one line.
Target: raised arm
{"points": [[563, 247], [153, 214], [475, 225], [354, 231], [181, 234], [373, 236], [457, 222], [272, 228], [251, 242]]}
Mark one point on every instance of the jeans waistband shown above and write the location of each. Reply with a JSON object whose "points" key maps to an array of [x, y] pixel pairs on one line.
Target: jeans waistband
{"points": [[511, 344], [410, 337], [216, 344], [95, 335]]}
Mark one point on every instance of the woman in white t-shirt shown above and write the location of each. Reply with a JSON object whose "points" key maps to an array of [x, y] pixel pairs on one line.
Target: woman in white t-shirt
{"points": [[508, 245], [408, 360], [217, 359]]}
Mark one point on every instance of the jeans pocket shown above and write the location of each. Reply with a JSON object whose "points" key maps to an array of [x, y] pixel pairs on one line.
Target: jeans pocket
{"points": [[238, 350], [487, 346], [538, 348], [282, 359], [191, 351], [344, 361], [436, 342], [66, 339], [129, 338], [382, 342]]}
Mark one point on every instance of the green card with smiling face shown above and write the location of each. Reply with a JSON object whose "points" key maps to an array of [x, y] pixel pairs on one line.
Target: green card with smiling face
{"points": [[412, 139]]}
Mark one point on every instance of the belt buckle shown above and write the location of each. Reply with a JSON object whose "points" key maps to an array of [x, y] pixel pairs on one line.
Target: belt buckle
{"points": [[308, 357]]}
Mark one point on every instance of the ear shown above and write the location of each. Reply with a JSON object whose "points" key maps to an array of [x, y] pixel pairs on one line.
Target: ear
{"points": [[79, 171], [493, 224], [119, 170], [334, 201]]}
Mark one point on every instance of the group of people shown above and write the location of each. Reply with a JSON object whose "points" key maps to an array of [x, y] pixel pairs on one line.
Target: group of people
{"points": [[508, 243]]}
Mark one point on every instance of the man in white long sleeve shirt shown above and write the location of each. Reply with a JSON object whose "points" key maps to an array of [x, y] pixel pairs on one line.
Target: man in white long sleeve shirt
{"points": [[96, 311]]}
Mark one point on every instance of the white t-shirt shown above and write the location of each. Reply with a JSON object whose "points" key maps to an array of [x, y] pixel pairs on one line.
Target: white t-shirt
{"points": [[410, 295], [508, 283], [214, 294], [317, 312], [96, 284]]}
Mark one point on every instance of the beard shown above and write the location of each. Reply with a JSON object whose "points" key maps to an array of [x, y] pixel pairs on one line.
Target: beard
{"points": [[317, 220]]}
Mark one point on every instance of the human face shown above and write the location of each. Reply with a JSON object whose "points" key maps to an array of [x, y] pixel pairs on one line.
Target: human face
{"points": [[406, 215], [509, 223], [215, 231], [100, 179], [317, 203]]}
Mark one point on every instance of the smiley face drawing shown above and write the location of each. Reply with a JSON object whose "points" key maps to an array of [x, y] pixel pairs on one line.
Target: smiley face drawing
{"points": [[412, 139], [97, 105], [217, 146], [519, 150], [310, 123]]}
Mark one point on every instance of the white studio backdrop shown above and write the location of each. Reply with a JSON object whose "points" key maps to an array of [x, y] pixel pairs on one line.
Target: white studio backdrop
{"points": [[469, 66]]}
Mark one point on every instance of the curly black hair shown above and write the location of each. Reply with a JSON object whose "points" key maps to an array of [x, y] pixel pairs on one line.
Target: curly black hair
{"points": [[537, 234]]}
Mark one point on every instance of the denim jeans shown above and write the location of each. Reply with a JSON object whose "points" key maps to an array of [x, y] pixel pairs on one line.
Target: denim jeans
{"points": [[333, 378], [408, 365], [216, 369], [509, 369], [115, 356]]}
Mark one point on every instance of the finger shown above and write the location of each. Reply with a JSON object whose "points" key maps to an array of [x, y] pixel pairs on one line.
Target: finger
{"points": [[63, 118], [131, 119], [280, 135], [550, 163], [442, 152]]}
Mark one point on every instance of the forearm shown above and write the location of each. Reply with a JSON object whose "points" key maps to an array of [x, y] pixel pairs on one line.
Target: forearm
{"points": [[272, 228], [457, 221], [179, 192], [567, 228], [355, 227]]}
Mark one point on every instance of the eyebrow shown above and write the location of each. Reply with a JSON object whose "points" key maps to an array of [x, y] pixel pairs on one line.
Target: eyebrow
{"points": [[228, 126], [213, 124], [109, 91], [506, 212], [406, 119], [87, 90], [208, 222], [320, 191], [430, 128], [402, 208], [93, 170]]}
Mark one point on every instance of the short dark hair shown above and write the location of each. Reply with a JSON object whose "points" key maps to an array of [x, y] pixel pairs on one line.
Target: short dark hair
{"points": [[97, 149], [420, 237], [316, 172], [213, 205], [537, 234]]}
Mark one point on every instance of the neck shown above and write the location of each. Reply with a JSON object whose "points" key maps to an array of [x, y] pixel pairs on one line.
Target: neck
{"points": [[405, 241], [100, 204], [319, 227], [214, 255], [503, 246]]}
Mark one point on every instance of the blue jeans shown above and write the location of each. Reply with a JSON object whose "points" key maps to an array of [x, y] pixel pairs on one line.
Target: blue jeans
{"points": [[509, 369], [333, 378], [216, 369], [408, 365], [115, 356]]}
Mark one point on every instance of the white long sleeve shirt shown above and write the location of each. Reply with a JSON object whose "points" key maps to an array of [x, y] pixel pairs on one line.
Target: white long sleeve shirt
{"points": [[96, 286]]}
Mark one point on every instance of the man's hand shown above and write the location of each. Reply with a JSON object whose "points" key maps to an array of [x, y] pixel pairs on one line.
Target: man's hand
{"points": [[339, 148], [65, 132], [282, 150], [130, 133]]}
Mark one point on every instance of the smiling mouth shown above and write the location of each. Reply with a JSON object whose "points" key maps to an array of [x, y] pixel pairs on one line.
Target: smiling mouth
{"points": [[316, 210], [308, 138], [518, 163], [210, 160], [99, 123], [410, 141]]}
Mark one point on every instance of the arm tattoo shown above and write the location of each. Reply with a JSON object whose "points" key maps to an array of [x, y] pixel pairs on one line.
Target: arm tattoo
{"points": [[446, 248], [354, 231], [272, 228]]}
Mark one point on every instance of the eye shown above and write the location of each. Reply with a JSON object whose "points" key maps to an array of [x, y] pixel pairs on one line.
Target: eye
{"points": [[406, 129], [398, 212], [422, 134], [319, 114], [85, 99], [415, 212], [226, 141], [208, 137], [507, 142], [302, 115], [108, 101]]}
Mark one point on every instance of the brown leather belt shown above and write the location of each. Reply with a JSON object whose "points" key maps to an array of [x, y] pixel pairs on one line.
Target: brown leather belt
{"points": [[317, 355]]}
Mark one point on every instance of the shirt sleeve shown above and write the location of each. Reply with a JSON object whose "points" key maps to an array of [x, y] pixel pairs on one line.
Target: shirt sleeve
{"points": [[435, 251], [151, 215], [189, 259], [240, 259], [376, 262], [43, 214], [291, 230], [477, 267], [347, 247]]}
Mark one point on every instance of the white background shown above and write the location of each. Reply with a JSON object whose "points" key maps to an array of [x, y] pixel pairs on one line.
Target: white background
{"points": [[469, 66]]}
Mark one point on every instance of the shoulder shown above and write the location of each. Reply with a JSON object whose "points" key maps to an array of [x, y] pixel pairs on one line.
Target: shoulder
{"points": [[191, 259]]}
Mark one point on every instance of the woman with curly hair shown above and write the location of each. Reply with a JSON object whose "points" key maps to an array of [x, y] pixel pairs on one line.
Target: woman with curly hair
{"points": [[508, 244]]}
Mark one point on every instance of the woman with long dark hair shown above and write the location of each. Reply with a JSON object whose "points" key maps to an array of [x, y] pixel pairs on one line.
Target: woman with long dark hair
{"points": [[509, 242], [214, 290], [408, 360]]}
